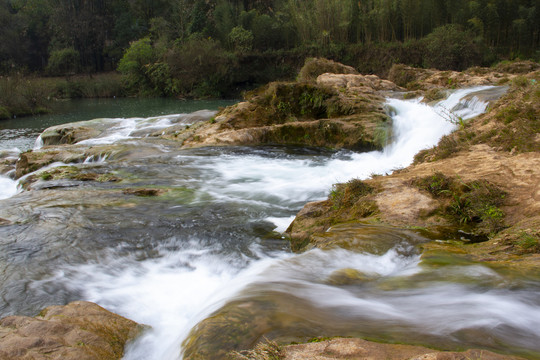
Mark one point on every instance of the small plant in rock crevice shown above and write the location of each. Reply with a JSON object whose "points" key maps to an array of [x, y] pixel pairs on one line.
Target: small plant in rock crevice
{"points": [[475, 204]]}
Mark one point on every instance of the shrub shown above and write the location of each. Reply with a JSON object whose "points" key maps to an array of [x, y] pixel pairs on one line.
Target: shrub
{"points": [[22, 96], [133, 65], [201, 68], [474, 204]]}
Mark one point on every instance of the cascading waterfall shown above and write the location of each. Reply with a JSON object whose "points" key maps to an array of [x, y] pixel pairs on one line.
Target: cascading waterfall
{"points": [[216, 256]]}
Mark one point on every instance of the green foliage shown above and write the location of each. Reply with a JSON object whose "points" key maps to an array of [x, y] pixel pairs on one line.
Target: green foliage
{"points": [[134, 65], [241, 39], [347, 194], [474, 204], [283, 101], [63, 62], [449, 47], [22, 96], [201, 68], [528, 241]]}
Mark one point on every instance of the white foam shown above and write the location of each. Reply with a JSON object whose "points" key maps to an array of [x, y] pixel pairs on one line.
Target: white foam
{"points": [[8, 187]]}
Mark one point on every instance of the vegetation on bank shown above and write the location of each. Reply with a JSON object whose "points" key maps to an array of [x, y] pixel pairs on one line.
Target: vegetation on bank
{"points": [[217, 48], [23, 96], [473, 205]]}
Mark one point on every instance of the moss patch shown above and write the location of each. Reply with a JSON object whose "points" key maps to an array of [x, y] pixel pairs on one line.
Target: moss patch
{"points": [[475, 205]]}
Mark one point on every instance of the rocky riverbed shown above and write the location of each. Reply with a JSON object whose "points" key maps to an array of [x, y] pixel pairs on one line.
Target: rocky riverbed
{"points": [[473, 199]]}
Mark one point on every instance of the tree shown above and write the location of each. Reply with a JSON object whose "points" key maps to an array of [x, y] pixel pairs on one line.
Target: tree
{"points": [[63, 62], [449, 47]]}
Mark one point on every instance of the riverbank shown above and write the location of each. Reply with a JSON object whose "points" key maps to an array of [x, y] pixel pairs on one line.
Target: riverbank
{"points": [[27, 95]]}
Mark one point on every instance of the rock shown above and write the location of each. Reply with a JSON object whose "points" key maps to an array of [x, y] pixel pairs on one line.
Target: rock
{"points": [[347, 276], [8, 160], [372, 239], [31, 161], [77, 331], [358, 83], [68, 134], [517, 67], [334, 111], [313, 67], [430, 79], [358, 349], [144, 192]]}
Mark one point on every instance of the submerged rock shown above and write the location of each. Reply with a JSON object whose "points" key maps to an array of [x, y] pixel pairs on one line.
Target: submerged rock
{"points": [[77, 331]]}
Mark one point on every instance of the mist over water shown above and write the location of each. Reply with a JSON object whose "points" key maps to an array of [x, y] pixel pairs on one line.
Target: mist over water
{"points": [[176, 263]]}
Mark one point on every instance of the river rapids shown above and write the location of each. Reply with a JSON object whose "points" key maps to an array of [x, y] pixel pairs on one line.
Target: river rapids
{"points": [[214, 242]]}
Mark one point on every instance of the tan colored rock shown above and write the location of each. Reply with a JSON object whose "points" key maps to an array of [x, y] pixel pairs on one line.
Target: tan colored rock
{"points": [[365, 83], [428, 79], [500, 147], [65, 134], [358, 349], [77, 331], [303, 114]]}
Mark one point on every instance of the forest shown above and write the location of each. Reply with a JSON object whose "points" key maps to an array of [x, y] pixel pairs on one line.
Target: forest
{"points": [[217, 48]]}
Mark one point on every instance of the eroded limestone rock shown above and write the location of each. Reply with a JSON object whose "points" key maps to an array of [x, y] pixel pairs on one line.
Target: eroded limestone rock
{"points": [[77, 331]]}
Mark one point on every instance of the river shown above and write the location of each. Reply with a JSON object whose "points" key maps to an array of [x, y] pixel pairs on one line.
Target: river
{"points": [[213, 245]]}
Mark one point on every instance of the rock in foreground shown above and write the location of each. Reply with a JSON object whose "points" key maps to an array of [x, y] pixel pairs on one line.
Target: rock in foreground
{"points": [[358, 349], [78, 331]]}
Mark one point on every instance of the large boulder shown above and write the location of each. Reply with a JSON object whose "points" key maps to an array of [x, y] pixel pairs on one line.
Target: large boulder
{"points": [[77, 331], [336, 111]]}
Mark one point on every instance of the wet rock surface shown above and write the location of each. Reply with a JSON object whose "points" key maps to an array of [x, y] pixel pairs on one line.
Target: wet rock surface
{"points": [[476, 153]]}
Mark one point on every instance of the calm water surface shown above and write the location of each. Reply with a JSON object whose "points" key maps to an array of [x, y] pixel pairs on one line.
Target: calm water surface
{"points": [[21, 133]]}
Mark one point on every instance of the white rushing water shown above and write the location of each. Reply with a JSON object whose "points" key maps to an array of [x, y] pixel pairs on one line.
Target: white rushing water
{"points": [[8, 187], [172, 292]]}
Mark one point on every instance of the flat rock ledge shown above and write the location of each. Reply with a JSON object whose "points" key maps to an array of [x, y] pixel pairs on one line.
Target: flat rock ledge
{"points": [[78, 331], [358, 349]]}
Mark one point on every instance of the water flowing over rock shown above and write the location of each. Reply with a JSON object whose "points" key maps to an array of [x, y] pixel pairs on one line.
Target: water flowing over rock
{"points": [[77, 331]]}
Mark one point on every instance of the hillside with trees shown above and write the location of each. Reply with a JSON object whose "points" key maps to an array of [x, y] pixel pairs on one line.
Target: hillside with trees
{"points": [[216, 48]]}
